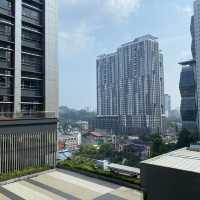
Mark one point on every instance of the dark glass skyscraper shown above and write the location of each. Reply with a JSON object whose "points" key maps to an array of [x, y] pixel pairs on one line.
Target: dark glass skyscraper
{"points": [[188, 88]]}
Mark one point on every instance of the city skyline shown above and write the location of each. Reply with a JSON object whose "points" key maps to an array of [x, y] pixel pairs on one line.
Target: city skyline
{"points": [[84, 36]]}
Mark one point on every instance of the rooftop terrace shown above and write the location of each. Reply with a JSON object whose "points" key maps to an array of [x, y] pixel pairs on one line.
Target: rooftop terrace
{"points": [[62, 185]]}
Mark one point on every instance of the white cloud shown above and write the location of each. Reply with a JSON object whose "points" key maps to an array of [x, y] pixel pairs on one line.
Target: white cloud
{"points": [[74, 41], [81, 34], [184, 10], [121, 8], [185, 55], [118, 9]]}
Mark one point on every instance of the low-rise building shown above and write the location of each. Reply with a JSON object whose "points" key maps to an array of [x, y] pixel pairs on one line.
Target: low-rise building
{"points": [[138, 147], [172, 176], [71, 142], [95, 138]]}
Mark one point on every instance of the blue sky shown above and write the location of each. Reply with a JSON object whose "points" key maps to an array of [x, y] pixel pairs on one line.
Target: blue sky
{"points": [[88, 28]]}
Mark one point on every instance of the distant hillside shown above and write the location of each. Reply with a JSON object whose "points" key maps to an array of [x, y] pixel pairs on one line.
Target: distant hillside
{"points": [[73, 115]]}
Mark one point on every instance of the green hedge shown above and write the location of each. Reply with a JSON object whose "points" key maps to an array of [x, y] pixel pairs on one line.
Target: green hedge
{"points": [[88, 166], [23, 172]]}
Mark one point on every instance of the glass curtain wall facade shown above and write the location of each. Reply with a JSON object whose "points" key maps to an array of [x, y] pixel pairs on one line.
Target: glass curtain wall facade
{"points": [[189, 87], [188, 95], [7, 49], [33, 56]]}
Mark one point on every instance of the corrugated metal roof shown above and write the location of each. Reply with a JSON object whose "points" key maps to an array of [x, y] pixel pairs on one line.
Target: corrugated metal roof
{"points": [[124, 168], [182, 159]]}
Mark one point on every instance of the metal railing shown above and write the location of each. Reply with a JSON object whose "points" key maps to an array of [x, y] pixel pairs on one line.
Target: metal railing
{"points": [[26, 115], [6, 11]]}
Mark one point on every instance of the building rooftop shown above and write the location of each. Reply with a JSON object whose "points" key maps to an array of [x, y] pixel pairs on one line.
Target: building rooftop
{"points": [[139, 39], [182, 159], [187, 62], [145, 37], [61, 185], [96, 134], [124, 168]]}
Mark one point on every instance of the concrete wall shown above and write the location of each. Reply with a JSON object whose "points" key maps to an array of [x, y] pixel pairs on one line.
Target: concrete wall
{"points": [[160, 183], [51, 63], [18, 36]]}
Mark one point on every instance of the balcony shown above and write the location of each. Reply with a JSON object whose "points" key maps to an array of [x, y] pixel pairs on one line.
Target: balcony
{"points": [[31, 93], [26, 115], [4, 11], [5, 64], [31, 68], [31, 44], [6, 91], [6, 38], [31, 20]]}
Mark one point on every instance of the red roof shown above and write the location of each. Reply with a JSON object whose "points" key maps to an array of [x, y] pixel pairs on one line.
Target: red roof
{"points": [[96, 134]]}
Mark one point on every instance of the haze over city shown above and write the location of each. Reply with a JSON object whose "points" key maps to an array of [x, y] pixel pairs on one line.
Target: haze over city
{"points": [[90, 28]]}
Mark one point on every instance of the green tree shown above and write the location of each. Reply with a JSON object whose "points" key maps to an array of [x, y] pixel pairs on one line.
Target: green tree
{"points": [[186, 138], [105, 151], [87, 151], [157, 147]]}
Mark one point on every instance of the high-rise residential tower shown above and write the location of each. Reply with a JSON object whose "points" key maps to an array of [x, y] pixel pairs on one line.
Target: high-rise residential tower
{"points": [[28, 83], [130, 88]]}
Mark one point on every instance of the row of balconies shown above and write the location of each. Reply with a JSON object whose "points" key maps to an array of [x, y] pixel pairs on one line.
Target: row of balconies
{"points": [[26, 68], [25, 92], [32, 44], [32, 92]]}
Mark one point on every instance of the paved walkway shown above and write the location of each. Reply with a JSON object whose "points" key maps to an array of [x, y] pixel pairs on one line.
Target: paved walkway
{"points": [[64, 185]]}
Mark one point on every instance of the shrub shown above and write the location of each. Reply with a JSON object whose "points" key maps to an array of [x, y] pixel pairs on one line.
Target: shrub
{"points": [[23, 172]]}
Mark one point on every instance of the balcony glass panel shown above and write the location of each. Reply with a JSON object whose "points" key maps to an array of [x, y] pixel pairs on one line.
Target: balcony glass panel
{"points": [[5, 32], [31, 88], [31, 39], [31, 93], [31, 63], [31, 16], [6, 7], [5, 59]]}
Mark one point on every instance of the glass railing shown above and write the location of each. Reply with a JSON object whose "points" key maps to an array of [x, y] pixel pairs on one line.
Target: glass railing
{"points": [[31, 93], [5, 64], [6, 11], [31, 20], [6, 91], [27, 115], [7, 38], [32, 44], [31, 68]]}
